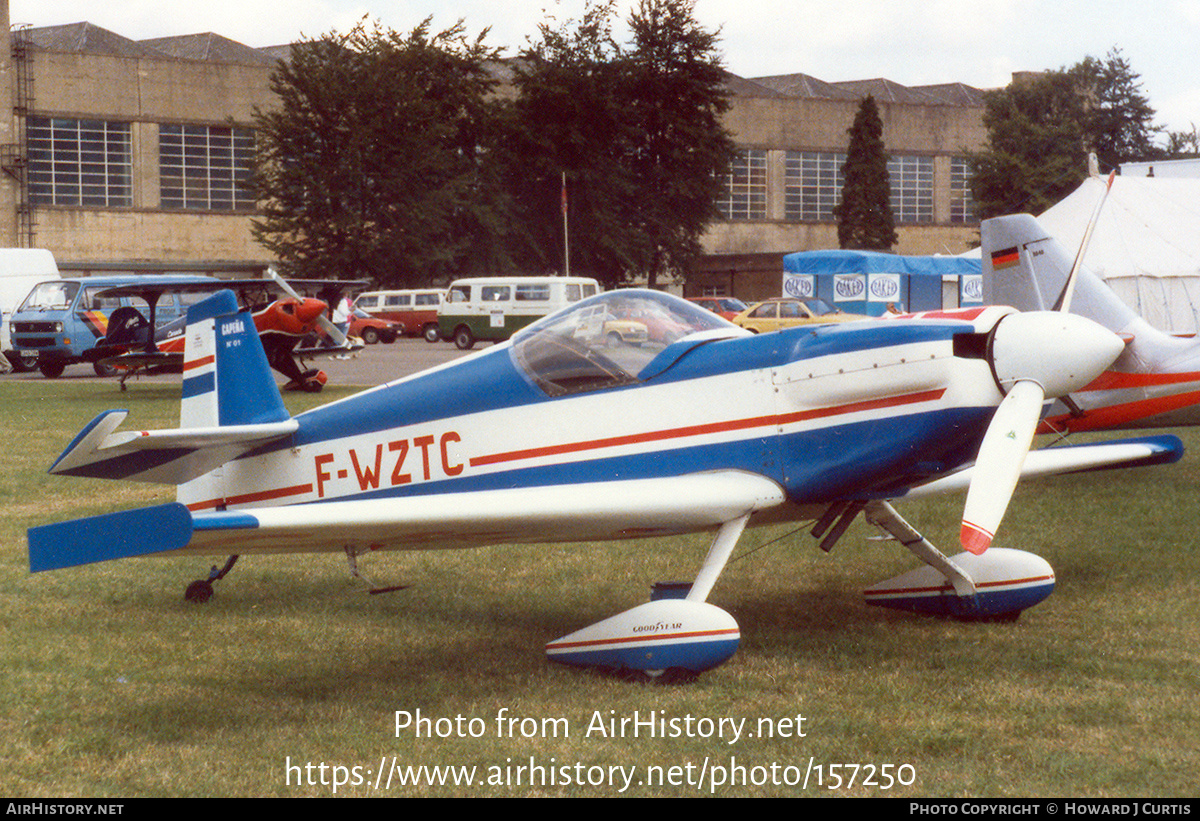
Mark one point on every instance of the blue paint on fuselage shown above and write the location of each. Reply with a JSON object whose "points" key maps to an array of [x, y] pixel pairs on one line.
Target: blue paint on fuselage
{"points": [[869, 458], [875, 459], [493, 381], [485, 382]]}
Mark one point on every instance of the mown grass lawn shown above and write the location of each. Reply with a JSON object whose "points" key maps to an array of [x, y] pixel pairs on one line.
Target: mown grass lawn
{"points": [[114, 686]]}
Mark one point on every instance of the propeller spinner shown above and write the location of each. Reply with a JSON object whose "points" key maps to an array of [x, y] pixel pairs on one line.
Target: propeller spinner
{"points": [[334, 333], [1034, 356]]}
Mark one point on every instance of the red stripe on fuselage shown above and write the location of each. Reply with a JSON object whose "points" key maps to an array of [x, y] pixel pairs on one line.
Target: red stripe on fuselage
{"points": [[258, 496], [618, 441], [712, 427], [965, 314]]}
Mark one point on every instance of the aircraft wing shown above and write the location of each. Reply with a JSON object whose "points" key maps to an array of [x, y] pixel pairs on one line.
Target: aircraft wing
{"points": [[1124, 453], [142, 359], [336, 350], [599, 510]]}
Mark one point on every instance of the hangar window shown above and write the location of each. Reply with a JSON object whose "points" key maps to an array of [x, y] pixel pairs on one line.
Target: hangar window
{"points": [[79, 162], [962, 206], [912, 188], [744, 193], [205, 167], [812, 185]]}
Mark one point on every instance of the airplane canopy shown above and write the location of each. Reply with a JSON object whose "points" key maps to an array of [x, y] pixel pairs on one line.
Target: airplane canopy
{"points": [[613, 339]]}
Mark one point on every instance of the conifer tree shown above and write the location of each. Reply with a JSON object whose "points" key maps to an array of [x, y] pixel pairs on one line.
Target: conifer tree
{"points": [[1041, 127], [1118, 121], [864, 215]]}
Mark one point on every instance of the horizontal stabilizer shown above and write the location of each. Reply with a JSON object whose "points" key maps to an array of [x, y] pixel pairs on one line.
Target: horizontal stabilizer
{"points": [[602, 510], [111, 536], [164, 456], [1122, 453]]}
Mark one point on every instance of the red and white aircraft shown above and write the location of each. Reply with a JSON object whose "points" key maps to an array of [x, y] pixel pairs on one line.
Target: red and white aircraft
{"points": [[1155, 382], [282, 316]]}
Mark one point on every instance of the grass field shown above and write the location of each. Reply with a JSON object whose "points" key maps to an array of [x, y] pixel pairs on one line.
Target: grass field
{"points": [[114, 686]]}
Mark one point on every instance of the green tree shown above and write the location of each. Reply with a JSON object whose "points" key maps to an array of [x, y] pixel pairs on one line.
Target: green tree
{"points": [[1182, 144], [636, 130], [679, 148], [864, 215], [371, 165], [1117, 117], [567, 124], [1034, 154], [1042, 126]]}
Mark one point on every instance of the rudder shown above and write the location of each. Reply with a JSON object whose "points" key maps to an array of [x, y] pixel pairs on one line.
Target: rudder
{"points": [[1026, 268], [226, 377]]}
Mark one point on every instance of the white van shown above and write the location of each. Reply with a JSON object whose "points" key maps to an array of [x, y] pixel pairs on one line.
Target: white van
{"points": [[495, 308], [20, 270], [416, 309]]}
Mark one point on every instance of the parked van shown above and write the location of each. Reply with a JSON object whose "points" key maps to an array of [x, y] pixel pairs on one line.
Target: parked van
{"points": [[416, 309], [494, 308], [63, 318], [20, 270]]}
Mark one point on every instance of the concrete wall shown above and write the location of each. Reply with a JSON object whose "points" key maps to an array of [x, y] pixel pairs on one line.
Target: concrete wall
{"points": [[147, 92], [140, 235]]}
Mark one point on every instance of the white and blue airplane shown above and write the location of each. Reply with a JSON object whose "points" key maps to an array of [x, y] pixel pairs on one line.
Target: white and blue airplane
{"points": [[576, 429]]}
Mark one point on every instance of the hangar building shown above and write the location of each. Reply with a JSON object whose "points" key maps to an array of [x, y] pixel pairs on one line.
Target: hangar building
{"points": [[124, 154]]}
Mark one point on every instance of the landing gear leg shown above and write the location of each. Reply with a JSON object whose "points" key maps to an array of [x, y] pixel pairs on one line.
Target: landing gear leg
{"points": [[201, 590], [718, 554], [352, 559], [883, 515]]}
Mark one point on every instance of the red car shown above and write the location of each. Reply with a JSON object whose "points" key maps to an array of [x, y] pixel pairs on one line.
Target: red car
{"points": [[725, 306], [371, 330]]}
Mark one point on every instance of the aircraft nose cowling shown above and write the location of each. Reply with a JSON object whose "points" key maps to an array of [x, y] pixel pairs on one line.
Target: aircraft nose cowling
{"points": [[1061, 352], [308, 310]]}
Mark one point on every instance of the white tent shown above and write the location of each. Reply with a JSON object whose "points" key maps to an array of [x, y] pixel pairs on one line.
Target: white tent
{"points": [[1146, 245]]}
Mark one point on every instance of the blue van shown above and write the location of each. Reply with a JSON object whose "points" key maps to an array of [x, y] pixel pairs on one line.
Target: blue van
{"points": [[62, 319]]}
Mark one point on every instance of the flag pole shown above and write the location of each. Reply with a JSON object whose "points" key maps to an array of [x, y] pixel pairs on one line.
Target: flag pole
{"points": [[566, 234]]}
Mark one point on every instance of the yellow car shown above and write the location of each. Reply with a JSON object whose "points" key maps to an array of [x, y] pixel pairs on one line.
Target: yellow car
{"points": [[776, 314]]}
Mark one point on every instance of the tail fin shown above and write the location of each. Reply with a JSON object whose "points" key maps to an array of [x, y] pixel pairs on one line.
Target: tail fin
{"points": [[1155, 381], [230, 405], [226, 377], [1026, 268]]}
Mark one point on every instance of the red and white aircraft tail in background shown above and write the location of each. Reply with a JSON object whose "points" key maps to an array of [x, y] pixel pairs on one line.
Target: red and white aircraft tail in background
{"points": [[1156, 380]]}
